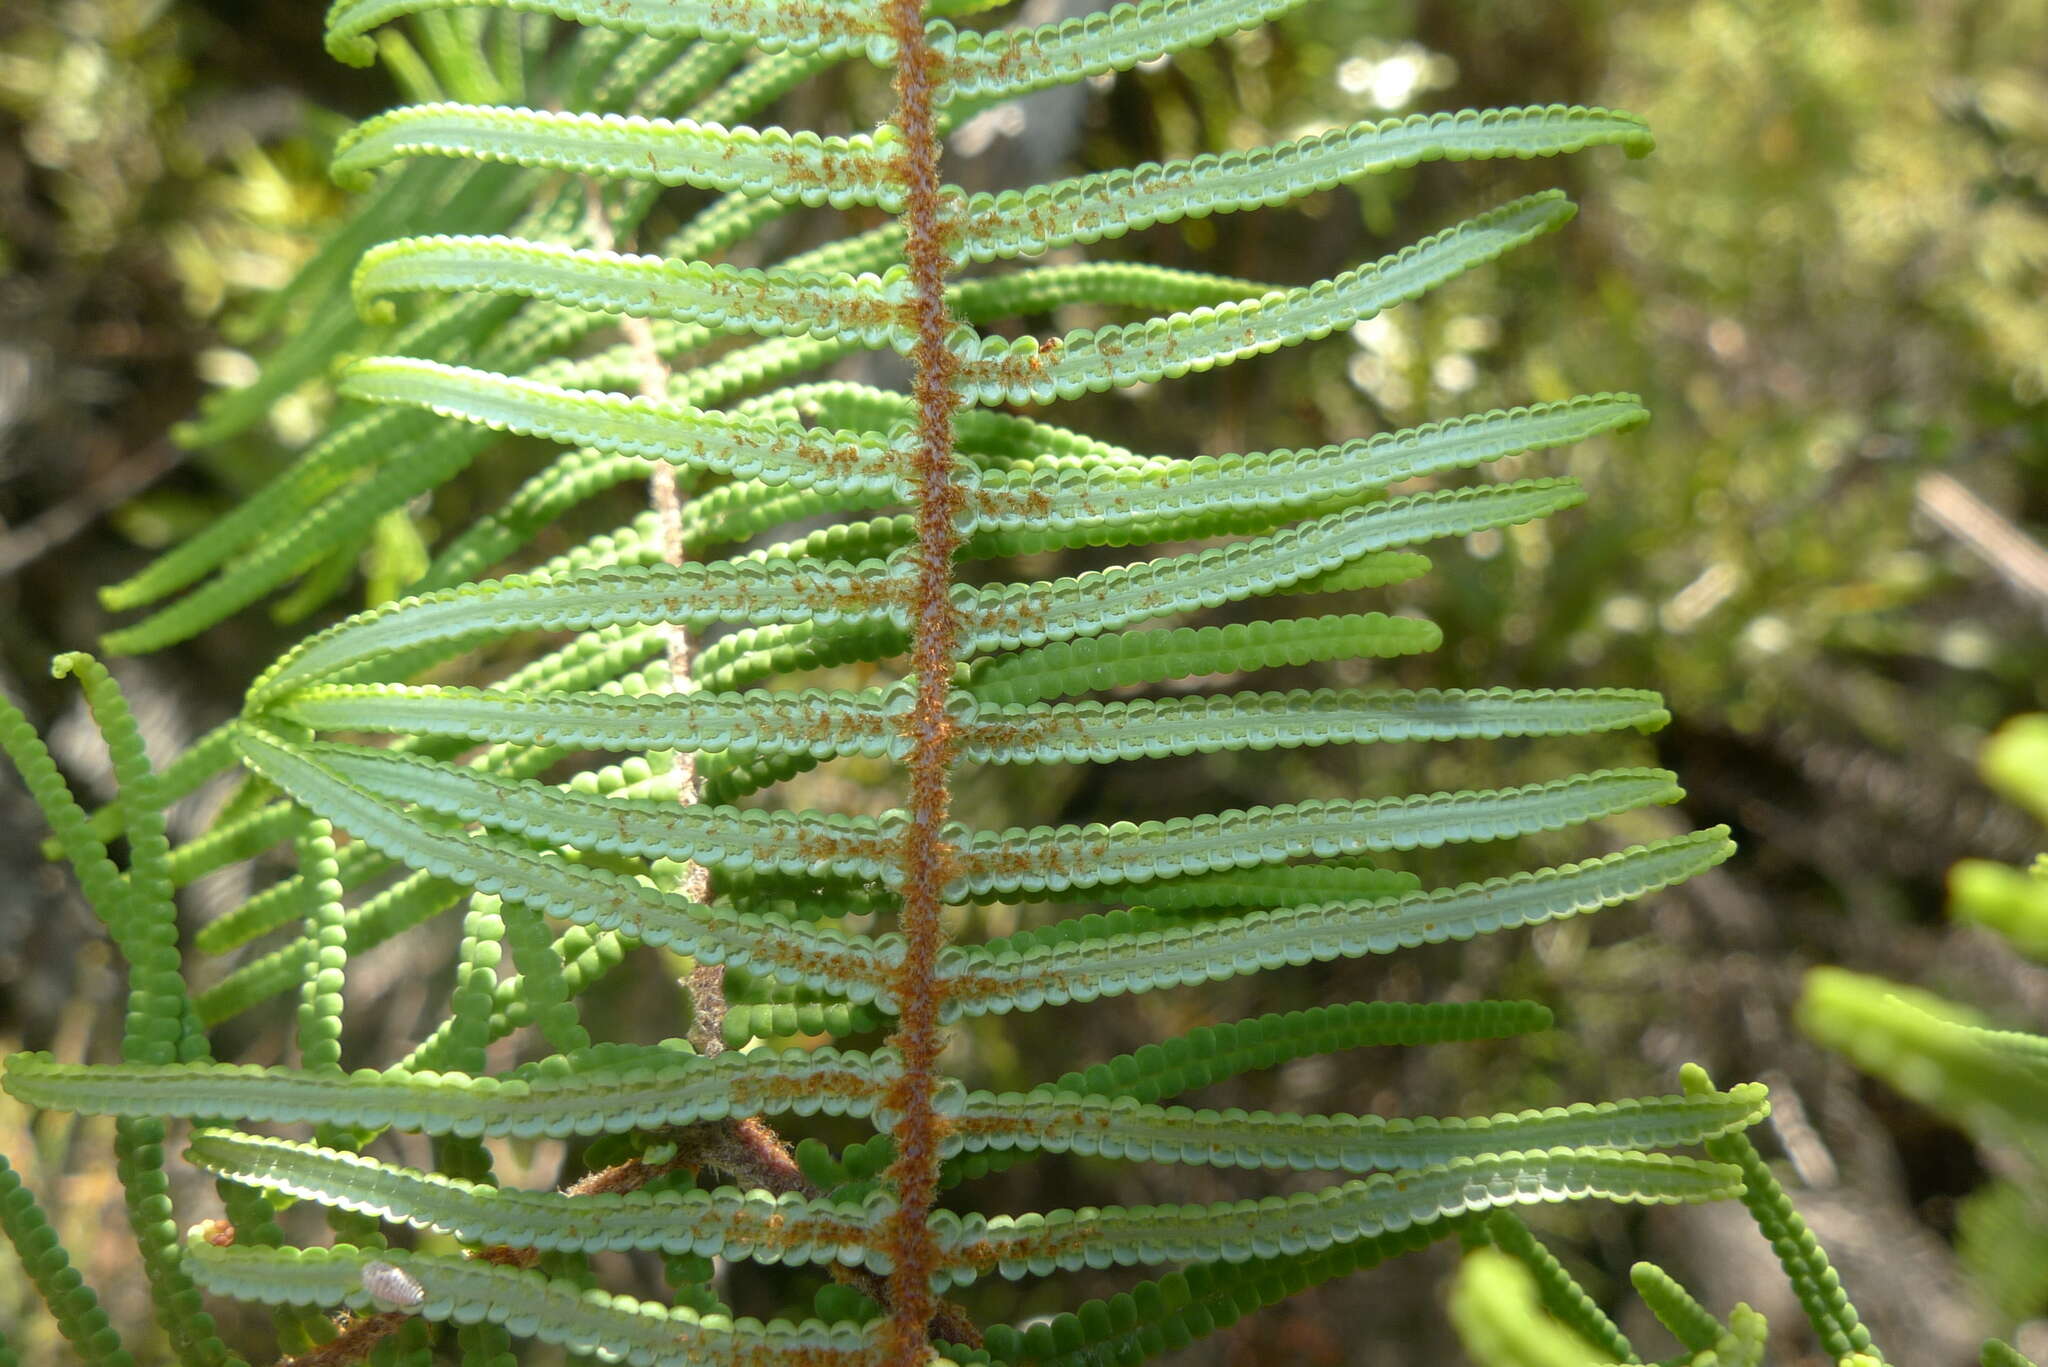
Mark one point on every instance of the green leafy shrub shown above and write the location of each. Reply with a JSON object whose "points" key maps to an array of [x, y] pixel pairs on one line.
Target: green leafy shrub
{"points": [[870, 553]]}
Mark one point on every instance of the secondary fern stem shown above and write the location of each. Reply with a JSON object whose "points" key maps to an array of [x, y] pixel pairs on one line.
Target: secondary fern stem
{"points": [[935, 635], [706, 982]]}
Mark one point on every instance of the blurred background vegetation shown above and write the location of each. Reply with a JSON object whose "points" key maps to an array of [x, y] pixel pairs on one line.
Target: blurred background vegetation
{"points": [[1830, 283]]}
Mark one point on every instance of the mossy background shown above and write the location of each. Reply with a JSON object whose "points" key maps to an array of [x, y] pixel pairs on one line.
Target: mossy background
{"points": [[1830, 283]]}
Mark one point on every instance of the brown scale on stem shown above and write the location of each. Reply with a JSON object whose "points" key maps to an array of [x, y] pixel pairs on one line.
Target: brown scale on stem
{"points": [[935, 634]]}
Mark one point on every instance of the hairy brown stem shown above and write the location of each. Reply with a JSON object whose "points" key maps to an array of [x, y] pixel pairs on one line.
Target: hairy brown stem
{"points": [[935, 633]]}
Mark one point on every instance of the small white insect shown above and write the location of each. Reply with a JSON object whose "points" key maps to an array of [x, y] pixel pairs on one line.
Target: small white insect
{"points": [[392, 1287]]}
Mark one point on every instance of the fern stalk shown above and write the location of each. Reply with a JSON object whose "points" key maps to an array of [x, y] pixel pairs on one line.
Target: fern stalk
{"points": [[935, 637]]}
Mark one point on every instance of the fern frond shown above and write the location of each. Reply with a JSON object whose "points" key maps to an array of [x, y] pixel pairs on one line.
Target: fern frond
{"points": [[826, 529], [528, 1304], [1123, 1128], [329, 464], [1827, 1305], [990, 226], [1561, 1295], [1095, 733], [811, 722], [320, 1001], [389, 913], [694, 594], [815, 956], [863, 310], [1049, 858], [1272, 885], [1038, 1244], [542, 982], [1007, 616], [2014, 760], [1020, 975], [1501, 1321], [727, 1222], [1675, 1308], [825, 724], [346, 519], [988, 66], [786, 168], [71, 1303], [1999, 1353], [1748, 1340], [828, 27], [2009, 901], [1127, 658], [657, 1085], [1040, 505], [653, 827], [1212, 1053], [771, 452], [72, 831], [993, 370]]}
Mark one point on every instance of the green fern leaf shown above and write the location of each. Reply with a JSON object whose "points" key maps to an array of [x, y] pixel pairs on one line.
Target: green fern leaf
{"points": [[1123, 659], [1103, 732], [986, 227], [773, 452], [800, 168], [722, 1223], [1039, 505], [656, 1086], [654, 827], [695, 594], [1038, 1244], [864, 310], [1060, 1122], [1054, 859], [826, 26], [1828, 1308], [815, 956], [808, 722], [1561, 1295], [70, 1301], [989, 66], [1690, 1323], [1994, 1083], [995, 977], [823, 521], [1998, 1353], [529, 1304], [1091, 360], [1007, 616], [1501, 1321]]}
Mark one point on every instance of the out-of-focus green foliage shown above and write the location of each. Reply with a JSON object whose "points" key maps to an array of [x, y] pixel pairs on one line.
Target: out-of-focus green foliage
{"points": [[148, 189], [1828, 286], [1992, 1082]]}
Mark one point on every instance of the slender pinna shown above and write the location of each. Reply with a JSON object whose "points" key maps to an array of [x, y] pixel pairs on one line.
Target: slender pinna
{"points": [[818, 558]]}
